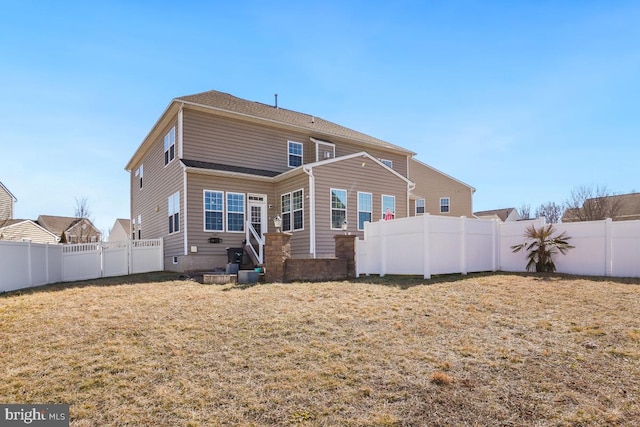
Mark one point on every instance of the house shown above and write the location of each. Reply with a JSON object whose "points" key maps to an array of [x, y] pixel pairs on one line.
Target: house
{"points": [[216, 170], [25, 230], [437, 193], [76, 230], [621, 207], [504, 215], [121, 231], [7, 200]]}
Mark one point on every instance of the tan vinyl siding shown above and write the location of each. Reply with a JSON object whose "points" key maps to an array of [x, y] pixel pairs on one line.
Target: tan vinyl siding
{"points": [[299, 238], [353, 175], [196, 184], [232, 142], [344, 148], [150, 202], [27, 231], [6, 205], [433, 185]]}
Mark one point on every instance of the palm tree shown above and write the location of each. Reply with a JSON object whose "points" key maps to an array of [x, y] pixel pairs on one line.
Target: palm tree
{"points": [[542, 246]]}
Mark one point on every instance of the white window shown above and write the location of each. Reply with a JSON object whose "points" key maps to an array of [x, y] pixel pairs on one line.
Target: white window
{"points": [[235, 212], [388, 163], [365, 209], [445, 205], [293, 210], [173, 207], [170, 146], [139, 227], [213, 210], [338, 208], [388, 207], [139, 173], [133, 229], [420, 206], [295, 154], [286, 211]]}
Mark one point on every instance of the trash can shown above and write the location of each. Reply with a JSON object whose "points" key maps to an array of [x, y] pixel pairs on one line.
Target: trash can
{"points": [[234, 255]]}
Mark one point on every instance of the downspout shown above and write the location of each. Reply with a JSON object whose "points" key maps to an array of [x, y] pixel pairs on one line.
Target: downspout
{"points": [[312, 211], [184, 178], [184, 207]]}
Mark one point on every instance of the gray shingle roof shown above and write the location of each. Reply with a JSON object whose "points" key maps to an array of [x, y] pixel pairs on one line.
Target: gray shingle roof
{"points": [[227, 168], [226, 102]]}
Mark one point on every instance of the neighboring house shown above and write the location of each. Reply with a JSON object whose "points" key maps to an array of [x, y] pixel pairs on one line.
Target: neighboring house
{"points": [[214, 169], [504, 215], [437, 193], [7, 200], [121, 231], [25, 230], [621, 207], [76, 230]]}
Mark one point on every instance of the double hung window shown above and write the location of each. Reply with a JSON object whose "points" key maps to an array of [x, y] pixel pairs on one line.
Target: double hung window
{"points": [[338, 208], [365, 209], [173, 207], [170, 146]]}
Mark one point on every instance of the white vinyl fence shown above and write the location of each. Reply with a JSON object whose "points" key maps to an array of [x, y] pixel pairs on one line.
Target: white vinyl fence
{"points": [[26, 264], [427, 245]]}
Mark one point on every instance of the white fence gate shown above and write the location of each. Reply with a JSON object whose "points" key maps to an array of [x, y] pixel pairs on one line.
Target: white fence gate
{"points": [[427, 245], [26, 264]]}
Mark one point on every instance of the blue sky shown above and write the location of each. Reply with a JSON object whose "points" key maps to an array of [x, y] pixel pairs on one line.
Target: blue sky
{"points": [[524, 101]]}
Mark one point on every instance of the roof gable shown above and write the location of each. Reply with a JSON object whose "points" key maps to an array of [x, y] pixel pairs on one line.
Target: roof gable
{"points": [[58, 224], [228, 103], [362, 154], [6, 190]]}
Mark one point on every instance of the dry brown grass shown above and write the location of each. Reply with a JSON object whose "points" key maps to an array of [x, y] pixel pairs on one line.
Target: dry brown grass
{"points": [[484, 350]]}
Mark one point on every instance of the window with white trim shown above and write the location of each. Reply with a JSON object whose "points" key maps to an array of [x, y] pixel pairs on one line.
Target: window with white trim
{"points": [[170, 146], [388, 206], [388, 163], [235, 212], [173, 207], [286, 211], [365, 209], [297, 205], [445, 205], [139, 227], [420, 205], [294, 150], [213, 210], [292, 210], [139, 173], [133, 229], [338, 208]]}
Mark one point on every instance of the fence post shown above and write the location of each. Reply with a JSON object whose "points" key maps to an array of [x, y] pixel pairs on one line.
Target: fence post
{"points": [[383, 249], [494, 246], [608, 247], [463, 245], [426, 252], [29, 263]]}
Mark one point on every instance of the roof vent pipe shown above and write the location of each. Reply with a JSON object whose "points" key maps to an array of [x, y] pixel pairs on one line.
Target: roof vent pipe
{"points": [[276, 95]]}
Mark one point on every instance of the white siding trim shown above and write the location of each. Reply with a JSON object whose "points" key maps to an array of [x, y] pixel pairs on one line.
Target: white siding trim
{"points": [[180, 127]]}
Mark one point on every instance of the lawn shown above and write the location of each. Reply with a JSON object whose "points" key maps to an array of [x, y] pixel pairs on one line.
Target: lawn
{"points": [[478, 350]]}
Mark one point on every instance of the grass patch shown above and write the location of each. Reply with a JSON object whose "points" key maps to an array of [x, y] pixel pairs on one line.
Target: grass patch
{"points": [[484, 349]]}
